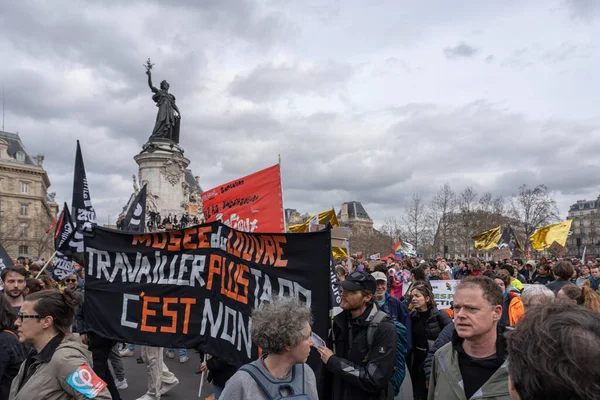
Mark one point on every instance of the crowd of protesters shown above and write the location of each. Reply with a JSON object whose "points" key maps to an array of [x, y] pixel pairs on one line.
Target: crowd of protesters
{"points": [[390, 341]]}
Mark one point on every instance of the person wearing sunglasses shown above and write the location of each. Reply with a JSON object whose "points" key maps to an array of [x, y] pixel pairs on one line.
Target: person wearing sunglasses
{"points": [[59, 366], [72, 282], [12, 353]]}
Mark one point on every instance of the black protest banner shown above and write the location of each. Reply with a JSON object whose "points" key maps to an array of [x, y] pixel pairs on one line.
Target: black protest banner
{"points": [[197, 287], [63, 259], [83, 211], [136, 213], [5, 260]]}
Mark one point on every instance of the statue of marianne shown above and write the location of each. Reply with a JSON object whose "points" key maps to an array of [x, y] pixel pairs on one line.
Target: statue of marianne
{"points": [[168, 116]]}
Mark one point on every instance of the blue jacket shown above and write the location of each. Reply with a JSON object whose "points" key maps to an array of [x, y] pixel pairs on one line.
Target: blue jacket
{"points": [[398, 311], [594, 283]]}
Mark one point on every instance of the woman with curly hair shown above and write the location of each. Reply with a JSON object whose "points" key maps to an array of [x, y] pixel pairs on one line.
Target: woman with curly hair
{"points": [[282, 330]]}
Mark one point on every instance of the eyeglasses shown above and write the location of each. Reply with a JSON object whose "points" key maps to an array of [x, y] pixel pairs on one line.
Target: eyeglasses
{"points": [[25, 316], [71, 280]]}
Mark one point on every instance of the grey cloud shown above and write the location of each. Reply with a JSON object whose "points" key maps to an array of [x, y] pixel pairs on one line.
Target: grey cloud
{"points": [[461, 50], [269, 81], [489, 59], [585, 10]]}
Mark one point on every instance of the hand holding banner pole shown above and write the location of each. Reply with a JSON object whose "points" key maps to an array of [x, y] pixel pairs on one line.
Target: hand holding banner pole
{"points": [[202, 377], [45, 265]]}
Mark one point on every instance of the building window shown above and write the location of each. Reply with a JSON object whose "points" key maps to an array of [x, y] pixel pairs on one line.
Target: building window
{"points": [[20, 156], [23, 229], [24, 187], [24, 210], [23, 251]]}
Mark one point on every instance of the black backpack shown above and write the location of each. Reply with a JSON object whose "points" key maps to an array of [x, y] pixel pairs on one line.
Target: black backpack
{"points": [[401, 348]]}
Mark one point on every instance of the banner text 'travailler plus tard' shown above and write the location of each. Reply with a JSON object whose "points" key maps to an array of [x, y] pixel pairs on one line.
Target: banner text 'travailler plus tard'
{"points": [[197, 287]]}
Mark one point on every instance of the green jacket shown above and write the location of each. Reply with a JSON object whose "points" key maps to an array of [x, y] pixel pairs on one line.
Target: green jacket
{"points": [[446, 379], [48, 375]]}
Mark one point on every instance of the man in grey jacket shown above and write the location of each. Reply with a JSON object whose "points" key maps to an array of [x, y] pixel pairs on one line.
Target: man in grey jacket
{"points": [[476, 351]]}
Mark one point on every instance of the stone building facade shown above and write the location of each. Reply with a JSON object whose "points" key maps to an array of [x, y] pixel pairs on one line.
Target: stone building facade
{"points": [[585, 230], [27, 209]]}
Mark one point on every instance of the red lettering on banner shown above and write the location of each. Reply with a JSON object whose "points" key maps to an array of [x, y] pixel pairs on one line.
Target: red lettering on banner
{"points": [[187, 239], [148, 313], [203, 242], [144, 239], [188, 301], [159, 244], [279, 262], [169, 313], [174, 241]]}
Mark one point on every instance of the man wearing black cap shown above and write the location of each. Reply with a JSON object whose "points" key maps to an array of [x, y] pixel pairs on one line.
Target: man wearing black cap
{"points": [[357, 370]]}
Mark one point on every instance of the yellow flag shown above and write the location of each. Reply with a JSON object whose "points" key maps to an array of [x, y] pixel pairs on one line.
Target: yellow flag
{"points": [[339, 253], [546, 235], [487, 240], [324, 217]]}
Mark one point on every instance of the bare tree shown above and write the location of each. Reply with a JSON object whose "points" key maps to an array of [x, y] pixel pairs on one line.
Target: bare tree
{"points": [[467, 218], [369, 241], [533, 208], [392, 228], [416, 229], [439, 216]]}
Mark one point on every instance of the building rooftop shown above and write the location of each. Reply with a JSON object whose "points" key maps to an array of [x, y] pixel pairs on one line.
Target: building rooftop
{"points": [[15, 146], [355, 210], [584, 205]]}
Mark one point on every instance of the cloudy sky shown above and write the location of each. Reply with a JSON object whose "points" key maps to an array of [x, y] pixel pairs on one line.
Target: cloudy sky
{"points": [[364, 100]]}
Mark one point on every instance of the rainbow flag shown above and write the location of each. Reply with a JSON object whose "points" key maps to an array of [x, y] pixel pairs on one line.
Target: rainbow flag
{"points": [[397, 247]]}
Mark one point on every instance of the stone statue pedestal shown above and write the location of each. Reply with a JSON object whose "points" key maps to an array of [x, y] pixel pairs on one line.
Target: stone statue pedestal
{"points": [[162, 167]]}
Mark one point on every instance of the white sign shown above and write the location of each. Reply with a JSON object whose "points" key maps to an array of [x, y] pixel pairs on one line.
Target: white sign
{"points": [[443, 292]]}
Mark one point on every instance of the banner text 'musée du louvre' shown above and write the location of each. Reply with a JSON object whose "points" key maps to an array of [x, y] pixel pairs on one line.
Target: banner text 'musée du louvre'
{"points": [[196, 287]]}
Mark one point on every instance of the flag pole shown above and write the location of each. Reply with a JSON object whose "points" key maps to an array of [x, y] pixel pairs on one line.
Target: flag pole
{"points": [[281, 185], [45, 265], [202, 378]]}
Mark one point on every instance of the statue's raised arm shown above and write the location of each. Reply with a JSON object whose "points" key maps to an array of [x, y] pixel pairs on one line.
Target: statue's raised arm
{"points": [[155, 90]]}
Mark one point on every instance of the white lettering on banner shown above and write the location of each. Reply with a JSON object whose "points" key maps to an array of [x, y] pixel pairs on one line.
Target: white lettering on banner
{"points": [[238, 334], [217, 240], [124, 321], [335, 288], [443, 292], [189, 267], [235, 222]]}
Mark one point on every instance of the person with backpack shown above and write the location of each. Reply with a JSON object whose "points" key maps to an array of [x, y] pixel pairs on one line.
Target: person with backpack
{"points": [[427, 323], [282, 330], [365, 342], [400, 315]]}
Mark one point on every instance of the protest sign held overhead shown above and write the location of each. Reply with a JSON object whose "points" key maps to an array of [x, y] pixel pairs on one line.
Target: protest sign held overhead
{"points": [[251, 204], [197, 287]]}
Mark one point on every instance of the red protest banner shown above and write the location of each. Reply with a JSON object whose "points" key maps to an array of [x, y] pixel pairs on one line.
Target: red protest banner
{"points": [[251, 204]]}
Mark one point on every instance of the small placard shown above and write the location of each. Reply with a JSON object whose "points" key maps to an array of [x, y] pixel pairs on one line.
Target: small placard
{"points": [[501, 254]]}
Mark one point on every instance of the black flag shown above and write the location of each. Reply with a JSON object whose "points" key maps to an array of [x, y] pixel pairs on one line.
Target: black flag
{"points": [[509, 240], [135, 220], [5, 260], [63, 261], [83, 211]]}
